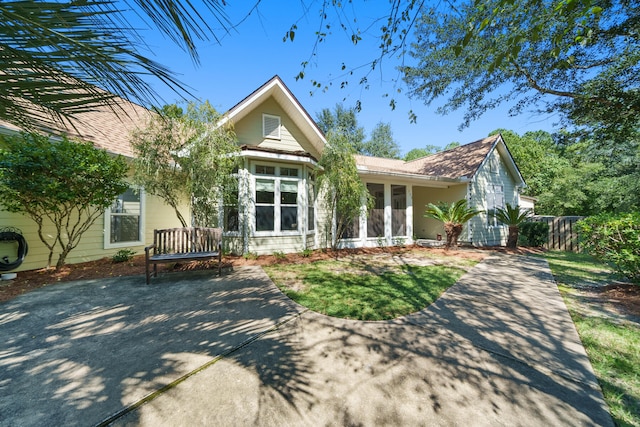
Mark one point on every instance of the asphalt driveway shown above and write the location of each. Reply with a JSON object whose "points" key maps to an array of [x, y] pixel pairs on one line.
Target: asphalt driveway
{"points": [[498, 348]]}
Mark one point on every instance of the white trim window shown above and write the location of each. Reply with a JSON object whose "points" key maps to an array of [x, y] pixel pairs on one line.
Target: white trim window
{"points": [[495, 200], [277, 200], [270, 126], [124, 220], [311, 202]]}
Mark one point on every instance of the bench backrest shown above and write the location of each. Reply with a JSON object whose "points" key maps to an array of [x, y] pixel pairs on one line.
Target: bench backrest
{"points": [[186, 240]]}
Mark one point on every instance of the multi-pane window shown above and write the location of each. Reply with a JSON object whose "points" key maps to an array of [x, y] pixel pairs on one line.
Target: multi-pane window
{"points": [[276, 198], [265, 204], [124, 218], [399, 210], [375, 221], [288, 205], [495, 200]]}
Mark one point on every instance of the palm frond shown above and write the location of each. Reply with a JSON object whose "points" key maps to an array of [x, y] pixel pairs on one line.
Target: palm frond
{"points": [[512, 215]]}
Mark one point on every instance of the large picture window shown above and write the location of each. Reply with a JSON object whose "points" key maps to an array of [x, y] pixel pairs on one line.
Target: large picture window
{"points": [[276, 199], [311, 203], [123, 220]]}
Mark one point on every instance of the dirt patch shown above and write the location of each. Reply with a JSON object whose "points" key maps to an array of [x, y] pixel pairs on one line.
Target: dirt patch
{"points": [[105, 268], [619, 301]]}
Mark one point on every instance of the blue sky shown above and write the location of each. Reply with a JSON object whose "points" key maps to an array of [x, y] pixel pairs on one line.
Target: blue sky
{"points": [[255, 52]]}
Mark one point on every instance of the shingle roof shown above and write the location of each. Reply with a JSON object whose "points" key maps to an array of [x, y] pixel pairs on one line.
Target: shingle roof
{"points": [[459, 162], [106, 127]]}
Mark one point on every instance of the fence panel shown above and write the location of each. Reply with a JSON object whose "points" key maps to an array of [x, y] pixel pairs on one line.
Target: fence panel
{"points": [[563, 233]]}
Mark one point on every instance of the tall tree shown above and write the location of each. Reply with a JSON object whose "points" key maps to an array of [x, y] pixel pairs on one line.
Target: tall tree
{"points": [[64, 184], [59, 58], [381, 143], [184, 155], [575, 58], [343, 121], [343, 191]]}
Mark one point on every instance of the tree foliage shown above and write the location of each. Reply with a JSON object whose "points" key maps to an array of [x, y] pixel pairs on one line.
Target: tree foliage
{"points": [[453, 216], [62, 183], [186, 155], [343, 121], [59, 58], [569, 176], [576, 58], [615, 239], [381, 143], [344, 193]]}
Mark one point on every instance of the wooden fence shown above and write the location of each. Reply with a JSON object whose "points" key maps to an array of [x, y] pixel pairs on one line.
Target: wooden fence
{"points": [[563, 233]]}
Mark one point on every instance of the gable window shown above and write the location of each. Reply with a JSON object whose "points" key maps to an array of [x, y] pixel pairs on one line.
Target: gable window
{"points": [[495, 200], [276, 199], [123, 220], [270, 126]]}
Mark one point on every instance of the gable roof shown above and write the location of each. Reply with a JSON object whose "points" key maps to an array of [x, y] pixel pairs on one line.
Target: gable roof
{"points": [[276, 88], [106, 127], [460, 164]]}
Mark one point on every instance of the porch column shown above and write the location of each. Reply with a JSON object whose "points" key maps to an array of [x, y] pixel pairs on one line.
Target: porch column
{"points": [[388, 215], [409, 230]]}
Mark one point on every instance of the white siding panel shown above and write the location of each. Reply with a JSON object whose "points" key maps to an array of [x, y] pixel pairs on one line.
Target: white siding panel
{"points": [[493, 172]]}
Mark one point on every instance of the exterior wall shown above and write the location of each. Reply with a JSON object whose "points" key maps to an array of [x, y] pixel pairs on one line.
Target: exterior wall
{"points": [[249, 130], [428, 228], [92, 244], [492, 172]]}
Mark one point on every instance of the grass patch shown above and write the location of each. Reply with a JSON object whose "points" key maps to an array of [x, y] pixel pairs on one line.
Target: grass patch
{"points": [[612, 347], [360, 291], [579, 270]]}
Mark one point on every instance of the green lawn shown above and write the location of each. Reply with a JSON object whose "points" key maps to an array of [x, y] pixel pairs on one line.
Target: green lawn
{"points": [[363, 291], [613, 347]]}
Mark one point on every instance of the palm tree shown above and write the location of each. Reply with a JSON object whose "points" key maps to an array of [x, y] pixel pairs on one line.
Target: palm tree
{"points": [[454, 216], [513, 216], [60, 58]]}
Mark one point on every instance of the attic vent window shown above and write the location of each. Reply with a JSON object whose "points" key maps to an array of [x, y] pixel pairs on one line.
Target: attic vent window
{"points": [[270, 126]]}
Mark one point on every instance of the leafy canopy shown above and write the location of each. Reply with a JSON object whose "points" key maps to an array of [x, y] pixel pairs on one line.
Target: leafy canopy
{"points": [[62, 183], [568, 57], [343, 192], [186, 155]]}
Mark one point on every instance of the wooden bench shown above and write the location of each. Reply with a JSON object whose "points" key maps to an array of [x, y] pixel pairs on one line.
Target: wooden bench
{"points": [[183, 244]]}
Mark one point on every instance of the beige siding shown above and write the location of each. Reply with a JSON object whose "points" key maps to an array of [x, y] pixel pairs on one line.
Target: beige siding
{"points": [[427, 228], [249, 130], [492, 172], [269, 245], [92, 244]]}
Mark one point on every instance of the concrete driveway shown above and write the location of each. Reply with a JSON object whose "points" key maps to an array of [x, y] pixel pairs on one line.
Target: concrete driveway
{"points": [[498, 348]]}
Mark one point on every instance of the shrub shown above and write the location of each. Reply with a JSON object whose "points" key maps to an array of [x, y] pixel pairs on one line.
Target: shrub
{"points": [[123, 255], [533, 234], [279, 255], [615, 239], [306, 253]]}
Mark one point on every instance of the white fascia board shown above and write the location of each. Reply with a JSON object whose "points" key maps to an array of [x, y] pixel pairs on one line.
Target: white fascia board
{"points": [[278, 157]]}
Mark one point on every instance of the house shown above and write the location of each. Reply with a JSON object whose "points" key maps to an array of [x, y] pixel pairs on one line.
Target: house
{"points": [[130, 222], [278, 206]]}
